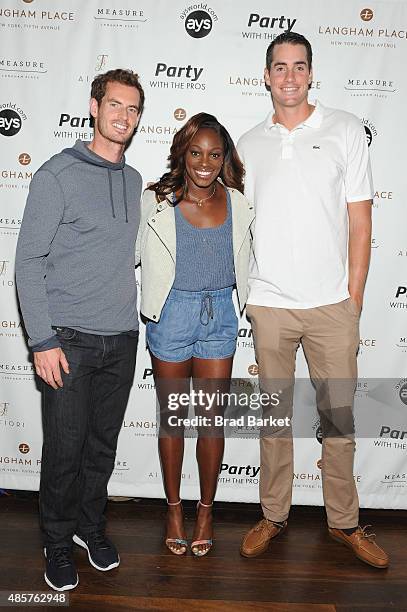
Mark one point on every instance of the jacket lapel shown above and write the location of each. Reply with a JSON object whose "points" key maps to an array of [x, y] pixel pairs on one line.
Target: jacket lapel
{"points": [[242, 217], [163, 223]]}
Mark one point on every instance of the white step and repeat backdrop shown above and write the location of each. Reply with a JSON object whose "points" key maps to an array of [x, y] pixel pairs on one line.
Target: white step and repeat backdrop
{"points": [[209, 57]]}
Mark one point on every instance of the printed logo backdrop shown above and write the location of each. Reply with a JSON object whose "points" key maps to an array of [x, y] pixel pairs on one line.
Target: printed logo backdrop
{"points": [[208, 57]]}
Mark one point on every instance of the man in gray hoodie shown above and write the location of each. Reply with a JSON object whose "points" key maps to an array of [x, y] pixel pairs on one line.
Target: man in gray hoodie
{"points": [[77, 289]]}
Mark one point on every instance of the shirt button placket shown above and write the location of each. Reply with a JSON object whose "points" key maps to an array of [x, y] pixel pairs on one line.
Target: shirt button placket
{"points": [[286, 143]]}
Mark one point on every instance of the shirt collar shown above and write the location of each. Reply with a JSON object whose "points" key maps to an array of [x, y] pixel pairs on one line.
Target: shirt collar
{"points": [[313, 121], [315, 118]]}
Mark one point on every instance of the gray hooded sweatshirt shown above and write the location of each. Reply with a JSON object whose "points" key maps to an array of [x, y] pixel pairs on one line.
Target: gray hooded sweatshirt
{"points": [[76, 250]]}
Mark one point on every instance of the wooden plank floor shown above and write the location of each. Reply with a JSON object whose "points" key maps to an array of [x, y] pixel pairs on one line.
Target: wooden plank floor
{"points": [[303, 570]]}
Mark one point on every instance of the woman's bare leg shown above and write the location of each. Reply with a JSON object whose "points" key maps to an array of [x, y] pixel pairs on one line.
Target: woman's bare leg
{"points": [[212, 376], [172, 378]]}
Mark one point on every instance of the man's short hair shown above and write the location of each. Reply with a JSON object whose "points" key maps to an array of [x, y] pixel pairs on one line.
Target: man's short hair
{"points": [[125, 77], [292, 38]]}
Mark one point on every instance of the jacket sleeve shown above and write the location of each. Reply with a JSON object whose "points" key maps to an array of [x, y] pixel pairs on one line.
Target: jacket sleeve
{"points": [[147, 201], [42, 217]]}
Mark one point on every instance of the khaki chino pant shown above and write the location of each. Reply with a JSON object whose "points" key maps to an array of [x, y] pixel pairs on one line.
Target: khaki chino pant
{"points": [[329, 336]]}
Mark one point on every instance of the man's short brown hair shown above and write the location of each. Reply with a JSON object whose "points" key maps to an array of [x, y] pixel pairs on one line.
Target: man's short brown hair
{"points": [[292, 38], [125, 77]]}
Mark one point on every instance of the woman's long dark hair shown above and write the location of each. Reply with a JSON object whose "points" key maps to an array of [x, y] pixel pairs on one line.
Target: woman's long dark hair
{"points": [[232, 170]]}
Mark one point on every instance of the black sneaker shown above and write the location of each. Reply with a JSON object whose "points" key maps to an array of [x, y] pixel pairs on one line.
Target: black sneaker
{"points": [[102, 553], [60, 573]]}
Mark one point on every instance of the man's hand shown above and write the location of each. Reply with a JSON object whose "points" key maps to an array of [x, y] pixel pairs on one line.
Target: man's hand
{"points": [[357, 299], [47, 365]]}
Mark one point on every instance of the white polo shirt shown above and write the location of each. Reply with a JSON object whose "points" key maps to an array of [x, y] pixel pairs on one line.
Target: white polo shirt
{"points": [[300, 182]]}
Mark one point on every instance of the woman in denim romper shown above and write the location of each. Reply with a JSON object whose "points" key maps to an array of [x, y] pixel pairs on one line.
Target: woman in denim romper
{"points": [[194, 243]]}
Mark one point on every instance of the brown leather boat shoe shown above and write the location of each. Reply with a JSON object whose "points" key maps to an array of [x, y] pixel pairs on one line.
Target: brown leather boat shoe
{"points": [[257, 540], [363, 545]]}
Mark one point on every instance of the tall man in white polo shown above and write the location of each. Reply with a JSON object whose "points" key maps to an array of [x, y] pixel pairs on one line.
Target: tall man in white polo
{"points": [[308, 173]]}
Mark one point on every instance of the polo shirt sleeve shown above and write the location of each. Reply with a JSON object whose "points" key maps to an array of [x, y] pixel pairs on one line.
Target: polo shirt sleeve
{"points": [[358, 178]]}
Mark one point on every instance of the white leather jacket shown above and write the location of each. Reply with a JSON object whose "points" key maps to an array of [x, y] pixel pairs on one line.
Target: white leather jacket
{"points": [[156, 249]]}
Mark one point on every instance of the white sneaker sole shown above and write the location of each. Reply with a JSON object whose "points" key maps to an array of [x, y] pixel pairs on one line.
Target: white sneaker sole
{"points": [[67, 587], [83, 544]]}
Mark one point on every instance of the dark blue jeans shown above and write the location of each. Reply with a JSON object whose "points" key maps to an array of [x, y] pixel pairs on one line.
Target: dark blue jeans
{"points": [[81, 424]]}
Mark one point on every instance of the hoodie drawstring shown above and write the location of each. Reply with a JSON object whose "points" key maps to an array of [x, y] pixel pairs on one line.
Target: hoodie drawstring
{"points": [[125, 195], [109, 174], [124, 187]]}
